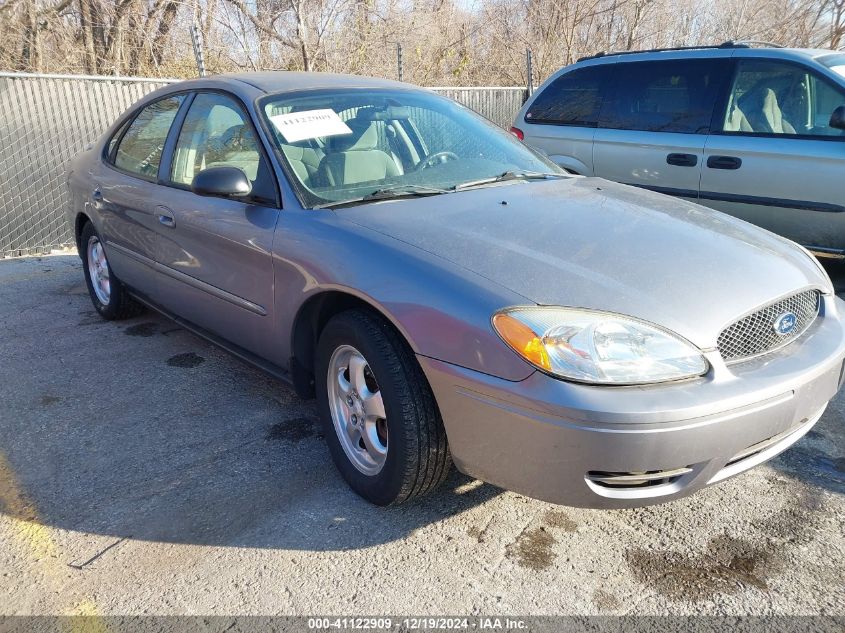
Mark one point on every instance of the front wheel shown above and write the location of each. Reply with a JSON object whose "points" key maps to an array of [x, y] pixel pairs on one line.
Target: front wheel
{"points": [[108, 294], [381, 421]]}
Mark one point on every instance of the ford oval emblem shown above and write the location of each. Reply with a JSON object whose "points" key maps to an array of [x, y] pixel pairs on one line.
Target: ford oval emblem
{"points": [[785, 323]]}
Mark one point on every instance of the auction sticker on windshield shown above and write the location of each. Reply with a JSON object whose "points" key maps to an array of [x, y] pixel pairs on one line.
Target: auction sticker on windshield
{"points": [[299, 126]]}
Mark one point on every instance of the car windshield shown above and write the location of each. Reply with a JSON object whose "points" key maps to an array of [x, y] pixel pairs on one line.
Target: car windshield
{"points": [[352, 146]]}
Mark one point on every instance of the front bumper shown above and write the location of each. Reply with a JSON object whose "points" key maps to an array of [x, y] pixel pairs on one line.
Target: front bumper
{"points": [[616, 447]]}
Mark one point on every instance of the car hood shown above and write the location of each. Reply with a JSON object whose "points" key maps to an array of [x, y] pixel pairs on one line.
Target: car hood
{"points": [[590, 243]]}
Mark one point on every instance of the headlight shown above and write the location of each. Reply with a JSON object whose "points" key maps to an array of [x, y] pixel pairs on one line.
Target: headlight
{"points": [[597, 347]]}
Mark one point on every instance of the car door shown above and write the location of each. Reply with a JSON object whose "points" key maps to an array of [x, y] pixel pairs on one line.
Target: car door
{"points": [[654, 124], [122, 191], [561, 119], [773, 159], [215, 252]]}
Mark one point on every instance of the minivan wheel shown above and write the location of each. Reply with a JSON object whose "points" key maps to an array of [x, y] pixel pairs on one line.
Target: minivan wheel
{"points": [[108, 294], [381, 421]]}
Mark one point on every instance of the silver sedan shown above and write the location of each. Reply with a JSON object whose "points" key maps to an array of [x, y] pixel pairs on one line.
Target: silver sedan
{"points": [[450, 296]]}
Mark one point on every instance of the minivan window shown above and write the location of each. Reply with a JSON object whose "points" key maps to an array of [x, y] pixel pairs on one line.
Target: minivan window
{"points": [[574, 98], [663, 96], [139, 151], [835, 61], [771, 97]]}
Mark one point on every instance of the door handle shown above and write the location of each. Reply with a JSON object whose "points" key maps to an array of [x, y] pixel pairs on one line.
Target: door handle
{"points": [[724, 162], [682, 160], [165, 217]]}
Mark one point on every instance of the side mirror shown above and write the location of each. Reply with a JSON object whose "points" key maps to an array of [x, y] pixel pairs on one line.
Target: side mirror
{"points": [[837, 118], [221, 181]]}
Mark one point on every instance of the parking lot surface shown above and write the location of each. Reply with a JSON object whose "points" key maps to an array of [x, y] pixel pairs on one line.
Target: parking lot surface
{"points": [[143, 471]]}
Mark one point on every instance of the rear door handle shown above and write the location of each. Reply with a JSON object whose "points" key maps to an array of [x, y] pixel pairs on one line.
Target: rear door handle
{"points": [[682, 160], [165, 216], [724, 162]]}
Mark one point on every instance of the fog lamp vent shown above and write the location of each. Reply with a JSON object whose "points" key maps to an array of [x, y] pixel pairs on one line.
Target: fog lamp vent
{"points": [[636, 479]]}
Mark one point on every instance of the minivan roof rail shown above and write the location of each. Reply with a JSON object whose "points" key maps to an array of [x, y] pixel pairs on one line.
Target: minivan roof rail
{"points": [[729, 44], [760, 43]]}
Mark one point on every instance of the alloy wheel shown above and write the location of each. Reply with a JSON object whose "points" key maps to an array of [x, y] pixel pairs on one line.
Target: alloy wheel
{"points": [[357, 410], [98, 269]]}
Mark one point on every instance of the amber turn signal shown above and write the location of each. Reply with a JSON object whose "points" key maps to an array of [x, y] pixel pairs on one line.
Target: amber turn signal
{"points": [[522, 339]]}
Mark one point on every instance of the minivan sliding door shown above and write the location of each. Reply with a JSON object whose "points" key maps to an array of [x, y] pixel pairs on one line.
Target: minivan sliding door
{"points": [[655, 121]]}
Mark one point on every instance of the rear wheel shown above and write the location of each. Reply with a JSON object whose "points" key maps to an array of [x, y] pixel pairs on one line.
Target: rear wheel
{"points": [[380, 417], [108, 294]]}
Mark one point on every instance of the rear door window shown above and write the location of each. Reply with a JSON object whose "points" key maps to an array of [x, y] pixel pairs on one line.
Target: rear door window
{"points": [[115, 138], [574, 98], [139, 150], [664, 96]]}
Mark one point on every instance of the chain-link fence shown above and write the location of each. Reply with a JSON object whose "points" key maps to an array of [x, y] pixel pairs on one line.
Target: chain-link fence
{"points": [[48, 119]]}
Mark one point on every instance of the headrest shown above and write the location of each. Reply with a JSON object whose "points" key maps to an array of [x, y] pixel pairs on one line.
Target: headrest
{"points": [[293, 152], [364, 137], [756, 97], [233, 138]]}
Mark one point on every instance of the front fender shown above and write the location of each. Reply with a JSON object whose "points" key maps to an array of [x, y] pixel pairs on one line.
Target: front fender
{"points": [[442, 310]]}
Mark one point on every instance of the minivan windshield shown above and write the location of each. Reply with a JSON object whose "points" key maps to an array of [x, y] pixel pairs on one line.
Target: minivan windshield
{"points": [[357, 145], [836, 62]]}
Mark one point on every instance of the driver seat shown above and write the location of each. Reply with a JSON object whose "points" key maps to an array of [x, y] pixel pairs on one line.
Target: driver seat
{"points": [[763, 111], [354, 158]]}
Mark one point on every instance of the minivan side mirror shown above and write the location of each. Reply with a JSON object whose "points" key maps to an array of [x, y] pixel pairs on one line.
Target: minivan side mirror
{"points": [[837, 118], [221, 181]]}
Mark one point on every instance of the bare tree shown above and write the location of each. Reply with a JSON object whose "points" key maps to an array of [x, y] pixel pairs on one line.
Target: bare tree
{"points": [[445, 42]]}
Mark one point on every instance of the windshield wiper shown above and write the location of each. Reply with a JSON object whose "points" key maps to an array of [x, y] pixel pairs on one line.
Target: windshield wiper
{"points": [[404, 190], [508, 175], [387, 193]]}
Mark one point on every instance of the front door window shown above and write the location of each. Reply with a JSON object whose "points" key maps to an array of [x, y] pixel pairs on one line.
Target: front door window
{"points": [[770, 97]]}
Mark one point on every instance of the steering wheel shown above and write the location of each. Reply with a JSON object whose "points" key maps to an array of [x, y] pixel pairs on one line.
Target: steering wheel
{"points": [[437, 158]]}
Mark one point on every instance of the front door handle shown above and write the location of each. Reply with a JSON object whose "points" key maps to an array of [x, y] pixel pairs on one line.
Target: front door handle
{"points": [[682, 160], [724, 162], [165, 217]]}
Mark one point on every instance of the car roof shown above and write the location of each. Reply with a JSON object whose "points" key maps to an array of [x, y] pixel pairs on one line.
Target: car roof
{"points": [[283, 80]]}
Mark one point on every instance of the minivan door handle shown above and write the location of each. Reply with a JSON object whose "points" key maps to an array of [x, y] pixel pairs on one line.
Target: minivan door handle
{"points": [[682, 160], [165, 216], [724, 162]]}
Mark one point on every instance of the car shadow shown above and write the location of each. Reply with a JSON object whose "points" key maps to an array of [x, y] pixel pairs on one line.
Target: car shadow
{"points": [[203, 478], [139, 429]]}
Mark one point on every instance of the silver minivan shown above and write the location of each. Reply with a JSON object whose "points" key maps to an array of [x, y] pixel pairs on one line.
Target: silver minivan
{"points": [[754, 132]]}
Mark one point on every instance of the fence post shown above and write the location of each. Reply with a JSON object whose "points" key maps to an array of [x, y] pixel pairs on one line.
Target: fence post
{"points": [[399, 60], [199, 55], [529, 72]]}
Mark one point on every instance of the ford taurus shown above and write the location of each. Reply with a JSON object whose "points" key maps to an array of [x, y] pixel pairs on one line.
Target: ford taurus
{"points": [[451, 296]]}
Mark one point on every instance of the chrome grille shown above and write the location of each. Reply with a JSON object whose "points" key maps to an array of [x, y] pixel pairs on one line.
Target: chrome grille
{"points": [[756, 333]]}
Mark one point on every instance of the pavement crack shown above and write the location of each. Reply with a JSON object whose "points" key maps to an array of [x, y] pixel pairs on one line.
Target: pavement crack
{"points": [[98, 554], [478, 534]]}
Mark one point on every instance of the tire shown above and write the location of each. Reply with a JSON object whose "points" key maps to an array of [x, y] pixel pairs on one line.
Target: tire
{"points": [[417, 456], [112, 302]]}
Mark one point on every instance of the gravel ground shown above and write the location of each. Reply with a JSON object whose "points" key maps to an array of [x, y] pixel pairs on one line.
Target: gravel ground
{"points": [[143, 471]]}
